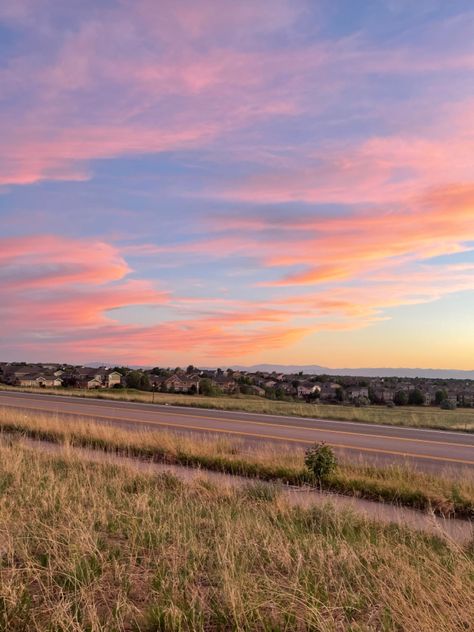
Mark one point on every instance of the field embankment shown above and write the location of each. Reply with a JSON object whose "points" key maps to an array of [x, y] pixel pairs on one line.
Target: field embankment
{"points": [[409, 416], [445, 493], [101, 548]]}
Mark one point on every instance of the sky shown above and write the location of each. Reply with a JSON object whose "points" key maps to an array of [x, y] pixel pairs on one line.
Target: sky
{"points": [[218, 182]]}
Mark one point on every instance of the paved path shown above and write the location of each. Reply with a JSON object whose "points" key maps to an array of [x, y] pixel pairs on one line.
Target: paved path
{"points": [[428, 449]]}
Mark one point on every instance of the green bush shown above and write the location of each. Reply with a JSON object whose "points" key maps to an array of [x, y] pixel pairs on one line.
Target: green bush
{"points": [[208, 388], [320, 461], [447, 405], [401, 398], [416, 397]]}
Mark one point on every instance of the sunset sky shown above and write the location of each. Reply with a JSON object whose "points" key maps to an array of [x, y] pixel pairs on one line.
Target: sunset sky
{"points": [[218, 182]]}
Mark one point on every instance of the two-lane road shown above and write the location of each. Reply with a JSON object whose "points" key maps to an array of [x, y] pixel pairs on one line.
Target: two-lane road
{"points": [[429, 449]]}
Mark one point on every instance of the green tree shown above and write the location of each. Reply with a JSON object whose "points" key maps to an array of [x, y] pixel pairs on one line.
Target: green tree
{"points": [[161, 372], [244, 380], [206, 387], [132, 379], [372, 396], [145, 382], [400, 398], [138, 380], [320, 461], [270, 393], [280, 394], [416, 397], [70, 381]]}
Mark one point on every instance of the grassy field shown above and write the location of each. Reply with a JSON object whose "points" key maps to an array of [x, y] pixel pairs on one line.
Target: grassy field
{"points": [[461, 419], [447, 493], [100, 548]]}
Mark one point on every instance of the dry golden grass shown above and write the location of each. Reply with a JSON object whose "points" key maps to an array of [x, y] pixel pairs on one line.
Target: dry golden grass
{"points": [[101, 548], [447, 493], [416, 417]]}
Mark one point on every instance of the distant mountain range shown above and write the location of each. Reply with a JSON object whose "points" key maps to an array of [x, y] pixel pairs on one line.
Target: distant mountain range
{"points": [[314, 369]]}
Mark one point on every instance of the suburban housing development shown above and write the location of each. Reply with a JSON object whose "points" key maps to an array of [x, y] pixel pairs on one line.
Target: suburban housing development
{"points": [[359, 391]]}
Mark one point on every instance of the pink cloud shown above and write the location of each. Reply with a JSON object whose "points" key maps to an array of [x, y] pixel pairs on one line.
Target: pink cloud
{"points": [[62, 156], [59, 297], [337, 248], [42, 261], [379, 171], [154, 344], [222, 87], [48, 281]]}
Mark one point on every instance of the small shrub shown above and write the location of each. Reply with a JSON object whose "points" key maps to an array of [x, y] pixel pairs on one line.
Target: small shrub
{"points": [[320, 461], [208, 388], [447, 405]]}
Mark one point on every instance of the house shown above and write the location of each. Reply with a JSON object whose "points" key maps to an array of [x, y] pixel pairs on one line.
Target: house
{"points": [[156, 381], [88, 377], [329, 391], [182, 383], [287, 388], [452, 398], [226, 384], [95, 382], [357, 392], [42, 380], [466, 398], [113, 378], [306, 389], [384, 395], [17, 377], [429, 398]]}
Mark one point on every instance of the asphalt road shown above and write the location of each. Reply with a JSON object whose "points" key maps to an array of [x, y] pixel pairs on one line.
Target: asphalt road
{"points": [[428, 449]]}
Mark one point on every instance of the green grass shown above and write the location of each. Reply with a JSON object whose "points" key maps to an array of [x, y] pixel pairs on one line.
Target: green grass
{"points": [[100, 548], [447, 493], [411, 416]]}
